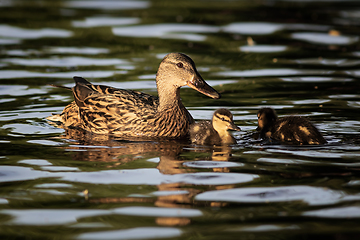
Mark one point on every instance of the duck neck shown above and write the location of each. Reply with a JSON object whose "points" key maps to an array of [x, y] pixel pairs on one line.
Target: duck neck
{"points": [[168, 97], [224, 134], [226, 137]]}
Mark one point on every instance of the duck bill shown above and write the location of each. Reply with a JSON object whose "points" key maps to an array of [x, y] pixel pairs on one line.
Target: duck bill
{"points": [[200, 85], [233, 127]]}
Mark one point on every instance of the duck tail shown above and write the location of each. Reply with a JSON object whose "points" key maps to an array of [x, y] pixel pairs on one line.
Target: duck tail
{"points": [[59, 86]]}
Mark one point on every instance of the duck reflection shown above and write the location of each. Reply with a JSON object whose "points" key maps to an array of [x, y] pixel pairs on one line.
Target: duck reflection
{"points": [[103, 148], [86, 146]]}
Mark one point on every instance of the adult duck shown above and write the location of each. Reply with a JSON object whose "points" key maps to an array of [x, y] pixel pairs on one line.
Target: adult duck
{"points": [[126, 113], [289, 129], [216, 131]]}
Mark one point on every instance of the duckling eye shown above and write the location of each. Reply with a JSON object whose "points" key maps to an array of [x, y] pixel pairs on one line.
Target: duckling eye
{"points": [[180, 65]]}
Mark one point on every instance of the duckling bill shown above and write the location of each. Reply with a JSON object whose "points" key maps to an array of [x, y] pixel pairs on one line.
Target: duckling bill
{"points": [[216, 131], [126, 113], [289, 129]]}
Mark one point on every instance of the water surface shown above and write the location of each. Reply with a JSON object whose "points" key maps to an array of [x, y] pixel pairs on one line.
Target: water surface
{"points": [[299, 57]]}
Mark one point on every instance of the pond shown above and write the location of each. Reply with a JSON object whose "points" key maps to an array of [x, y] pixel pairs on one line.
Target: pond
{"points": [[298, 57]]}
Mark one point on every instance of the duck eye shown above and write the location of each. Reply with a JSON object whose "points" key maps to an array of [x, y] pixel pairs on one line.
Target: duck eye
{"points": [[180, 65]]}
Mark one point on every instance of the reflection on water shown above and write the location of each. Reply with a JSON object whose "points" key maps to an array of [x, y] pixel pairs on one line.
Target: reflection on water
{"points": [[263, 48], [324, 38], [105, 21], [21, 33], [298, 57], [166, 31], [108, 5], [64, 62]]}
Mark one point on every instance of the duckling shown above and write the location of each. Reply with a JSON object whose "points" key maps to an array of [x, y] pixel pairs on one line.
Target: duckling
{"points": [[126, 113], [214, 132], [290, 129]]}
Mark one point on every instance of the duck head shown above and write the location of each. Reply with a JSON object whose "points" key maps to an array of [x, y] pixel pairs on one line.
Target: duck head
{"points": [[177, 70], [222, 121], [266, 118]]}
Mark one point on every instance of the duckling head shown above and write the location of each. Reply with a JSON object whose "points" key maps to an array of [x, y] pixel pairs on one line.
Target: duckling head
{"points": [[222, 121], [177, 70], [266, 118]]}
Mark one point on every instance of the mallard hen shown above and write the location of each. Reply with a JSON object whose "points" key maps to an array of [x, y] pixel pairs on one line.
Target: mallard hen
{"points": [[126, 113], [289, 129], [216, 131]]}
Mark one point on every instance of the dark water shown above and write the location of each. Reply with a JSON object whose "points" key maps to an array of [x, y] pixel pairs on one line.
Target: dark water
{"points": [[58, 184]]}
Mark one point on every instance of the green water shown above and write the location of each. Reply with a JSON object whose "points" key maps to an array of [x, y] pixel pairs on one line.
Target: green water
{"points": [[58, 184]]}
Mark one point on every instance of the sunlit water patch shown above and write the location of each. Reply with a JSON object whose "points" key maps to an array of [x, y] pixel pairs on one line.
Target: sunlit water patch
{"points": [[76, 50], [337, 213], [21, 33], [102, 21], [324, 38], [266, 28], [108, 5], [37, 162], [212, 164], [135, 233], [328, 62], [273, 72], [266, 228], [64, 62], [44, 216], [172, 31], [263, 48], [316, 79], [154, 177], [311, 195], [11, 74], [9, 41], [132, 177]]}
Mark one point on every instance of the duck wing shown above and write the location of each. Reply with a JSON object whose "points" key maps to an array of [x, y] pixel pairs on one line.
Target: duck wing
{"points": [[84, 89], [203, 133], [297, 129], [111, 110]]}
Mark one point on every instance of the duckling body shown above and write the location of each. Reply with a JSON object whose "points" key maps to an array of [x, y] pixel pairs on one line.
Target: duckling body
{"points": [[290, 129], [126, 113], [214, 132]]}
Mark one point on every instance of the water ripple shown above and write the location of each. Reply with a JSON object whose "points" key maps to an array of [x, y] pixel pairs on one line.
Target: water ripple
{"points": [[76, 50], [273, 72], [154, 177], [108, 4], [263, 48], [21, 33], [316, 79], [145, 176], [104, 21], [311, 195], [158, 212], [134, 233], [325, 38], [212, 164], [266, 28], [46, 216], [328, 62], [169, 30], [339, 212], [10, 74], [64, 62]]}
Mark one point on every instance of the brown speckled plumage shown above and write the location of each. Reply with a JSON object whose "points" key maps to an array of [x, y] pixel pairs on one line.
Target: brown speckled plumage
{"points": [[290, 129], [106, 110], [214, 132]]}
